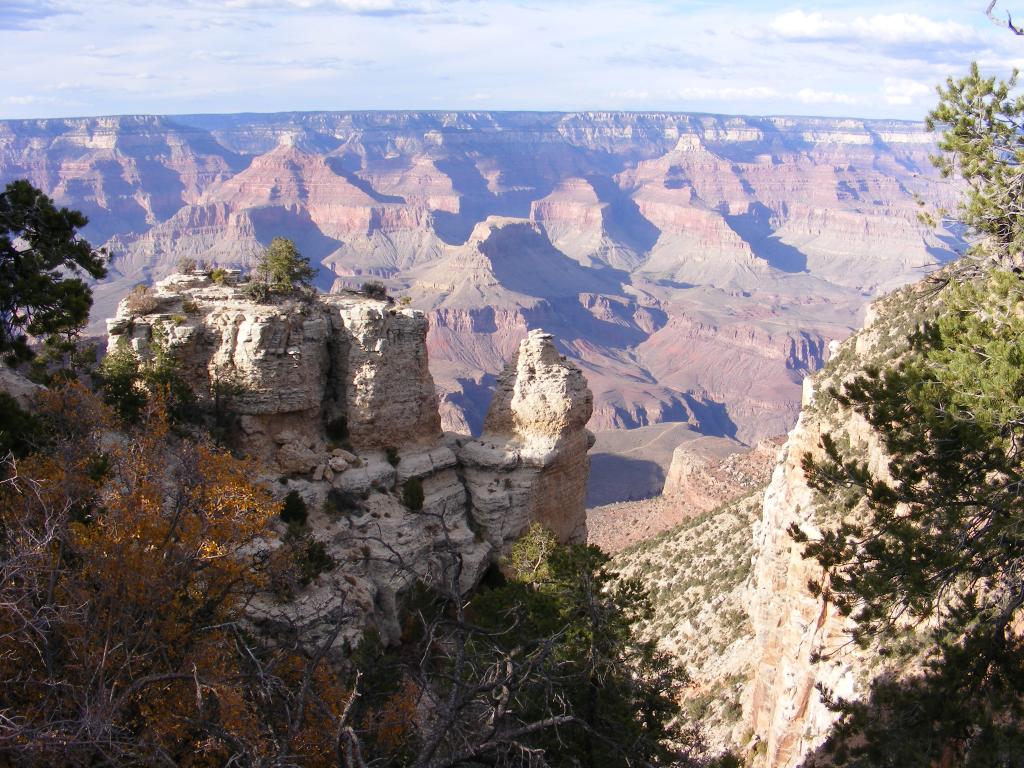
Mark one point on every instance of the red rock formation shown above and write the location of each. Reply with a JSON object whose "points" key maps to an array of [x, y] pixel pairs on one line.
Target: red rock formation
{"points": [[695, 266]]}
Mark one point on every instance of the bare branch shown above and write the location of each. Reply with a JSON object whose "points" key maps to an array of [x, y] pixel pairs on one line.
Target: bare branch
{"points": [[990, 12]]}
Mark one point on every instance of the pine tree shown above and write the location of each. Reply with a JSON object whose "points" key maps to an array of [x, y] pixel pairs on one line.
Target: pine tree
{"points": [[936, 542], [983, 145], [282, 268], [42, 261]]}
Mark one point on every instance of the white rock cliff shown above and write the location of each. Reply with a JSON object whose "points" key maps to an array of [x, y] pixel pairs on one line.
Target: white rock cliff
{"points": [[333, 397]]}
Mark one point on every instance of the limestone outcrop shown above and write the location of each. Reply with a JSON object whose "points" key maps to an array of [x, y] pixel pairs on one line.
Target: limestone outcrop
{"points": [[18, 387], [333, 397], [526, 465], [294, 370]]}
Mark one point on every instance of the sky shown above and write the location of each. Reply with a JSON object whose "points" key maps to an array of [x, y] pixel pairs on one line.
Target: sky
{"points": [[863, 59]]}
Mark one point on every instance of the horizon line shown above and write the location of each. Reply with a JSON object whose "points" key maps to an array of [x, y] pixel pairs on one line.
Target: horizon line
{"points": [[457, 111]]}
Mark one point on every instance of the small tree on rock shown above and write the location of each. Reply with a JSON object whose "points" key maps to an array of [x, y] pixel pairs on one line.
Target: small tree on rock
{"points": [[282, 268], [293, 509], [412, 494]]}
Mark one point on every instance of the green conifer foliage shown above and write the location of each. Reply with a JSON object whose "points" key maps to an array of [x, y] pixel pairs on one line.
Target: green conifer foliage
{"points": [[282, 268], [940, 541], [983, 144], [412, 494], [622, 689], [128, 381], [293, 510], [42, 261]]}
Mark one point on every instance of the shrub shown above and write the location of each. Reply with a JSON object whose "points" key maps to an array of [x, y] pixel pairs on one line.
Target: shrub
{"points": [[392, 454], [19, 429], [120, 376], [405, 301], [157, 593], [186, 265], [294, 510], [339, 502], [375, 289], [179, 319], [218, 275], [189, 306], [141, 300], [256, 291], [412, 494], [162, 374], [312, 560]]}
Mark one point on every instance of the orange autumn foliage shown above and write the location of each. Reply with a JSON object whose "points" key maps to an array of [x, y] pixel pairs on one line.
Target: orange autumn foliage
{"points": [[127, 562], [392, 724]]}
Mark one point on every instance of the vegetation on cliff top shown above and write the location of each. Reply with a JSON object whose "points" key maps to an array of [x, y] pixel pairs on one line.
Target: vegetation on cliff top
{"points": [[280, 269]]}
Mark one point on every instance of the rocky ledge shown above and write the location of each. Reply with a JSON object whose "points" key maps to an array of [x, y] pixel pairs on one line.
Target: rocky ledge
{"points": [[332, 396]]}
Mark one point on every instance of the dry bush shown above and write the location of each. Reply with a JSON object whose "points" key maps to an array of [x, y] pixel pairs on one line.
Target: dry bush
{"points": [[141, 301], [126, 564]]}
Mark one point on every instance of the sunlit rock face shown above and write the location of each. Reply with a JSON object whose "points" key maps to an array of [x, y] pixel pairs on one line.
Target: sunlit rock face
{"points": [[531, 462], [332, 396], [295, 365], [802, 649], [694, 266]]}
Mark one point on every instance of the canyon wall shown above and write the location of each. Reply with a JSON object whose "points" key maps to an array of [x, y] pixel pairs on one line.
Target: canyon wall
{"points": [[730, 584], [332, 396], [801, 647], [701, 478], [695, 266]]}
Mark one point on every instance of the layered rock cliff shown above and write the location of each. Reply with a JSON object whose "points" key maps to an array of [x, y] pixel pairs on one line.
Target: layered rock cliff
{"points": [[777, 650], [695, 265], [535, 439], [702, 479], [802, 648], [333, 397]]}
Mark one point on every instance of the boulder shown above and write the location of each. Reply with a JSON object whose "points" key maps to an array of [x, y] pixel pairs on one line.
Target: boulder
{"points": [[296, 458]]}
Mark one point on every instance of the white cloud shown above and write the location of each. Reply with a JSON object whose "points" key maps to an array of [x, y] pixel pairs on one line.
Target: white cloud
{"points": [[358, 7], [896, 28], [811, 96], [278, 55], [726, 93], [630, 94], [901, 91], [29, 99], [797, 25], [879, 29]]}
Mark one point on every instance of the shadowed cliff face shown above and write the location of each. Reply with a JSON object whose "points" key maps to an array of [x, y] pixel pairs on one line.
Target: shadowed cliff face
{"points": [[694, 266]]}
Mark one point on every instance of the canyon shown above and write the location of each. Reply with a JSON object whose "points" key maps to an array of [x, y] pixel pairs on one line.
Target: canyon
{"points": [[695, 267], [691, 273]]}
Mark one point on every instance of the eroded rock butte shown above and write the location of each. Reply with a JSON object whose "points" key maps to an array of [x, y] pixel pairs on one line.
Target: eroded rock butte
{"points": [[332, 396]]}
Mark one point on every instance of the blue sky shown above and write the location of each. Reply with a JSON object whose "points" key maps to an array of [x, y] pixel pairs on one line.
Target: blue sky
{"points": [[867, 59]]}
